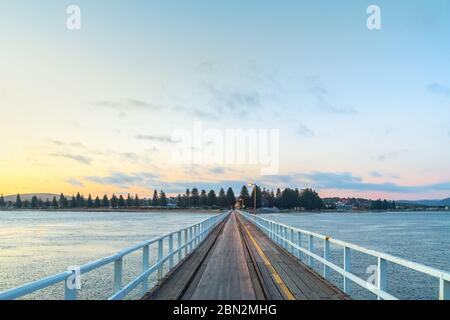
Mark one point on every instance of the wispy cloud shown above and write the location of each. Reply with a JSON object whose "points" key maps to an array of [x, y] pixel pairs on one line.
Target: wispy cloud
{"points": [[156, 138], [389, 155], [305, 131], [124, 104], [320, 92], [125, 180], [75, 182], [439, 89], [74, 157], [348, 181]]}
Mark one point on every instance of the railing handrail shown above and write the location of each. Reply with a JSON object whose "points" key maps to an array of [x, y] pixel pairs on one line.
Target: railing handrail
{"points": [[443, 276], [43, 283]]}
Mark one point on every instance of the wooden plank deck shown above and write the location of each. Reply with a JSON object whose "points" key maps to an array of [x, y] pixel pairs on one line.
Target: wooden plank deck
{"points": [[238, 262]]}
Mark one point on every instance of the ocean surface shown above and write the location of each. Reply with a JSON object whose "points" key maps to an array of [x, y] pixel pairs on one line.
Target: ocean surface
{"points": [[422, 237], [38, 244]]}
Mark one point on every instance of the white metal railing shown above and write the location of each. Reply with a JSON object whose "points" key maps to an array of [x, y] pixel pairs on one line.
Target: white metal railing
{"points": [[187, 240], [291, 239]]}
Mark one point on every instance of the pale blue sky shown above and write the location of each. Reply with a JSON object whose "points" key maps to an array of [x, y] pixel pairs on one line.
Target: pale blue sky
{"points": [[360, 112]]}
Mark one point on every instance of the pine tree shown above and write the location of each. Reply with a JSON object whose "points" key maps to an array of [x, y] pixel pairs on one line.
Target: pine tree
{"points": [[179, 201], [129, 202], [55, 203], [222, 199], [195, 198], [155, 199], [63, 203], [188, 198], [231, 198], [90, 203], [47, 204], [19, 203], [2, 201], [203, 199], [212, 198], [258, 198], [105, 202], [34, 202], [97, 203], [244, 198], [162, 199], [121, 202], [137, 202], [73, 202], [114, 201]]}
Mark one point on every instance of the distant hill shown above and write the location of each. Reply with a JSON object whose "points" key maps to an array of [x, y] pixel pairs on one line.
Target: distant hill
{"points": [[24, 197], [431, 203]]}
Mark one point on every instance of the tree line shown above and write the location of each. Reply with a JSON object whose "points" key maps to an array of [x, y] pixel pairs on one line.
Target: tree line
{"points": [[195, 198]]}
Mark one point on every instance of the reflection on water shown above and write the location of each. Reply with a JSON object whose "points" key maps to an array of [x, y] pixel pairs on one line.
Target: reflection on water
{"points": [[422, 237], [38, 244]]}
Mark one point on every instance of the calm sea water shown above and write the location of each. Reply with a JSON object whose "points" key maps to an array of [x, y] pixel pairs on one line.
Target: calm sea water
{"points": [[38, 244], [422, 237]]}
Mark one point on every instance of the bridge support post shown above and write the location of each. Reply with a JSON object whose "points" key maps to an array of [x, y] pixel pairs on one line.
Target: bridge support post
{"points": [[118, 275], [444, 289], [381, 275], [346, 268], [190, 239], [145, 265], [326, 256]]}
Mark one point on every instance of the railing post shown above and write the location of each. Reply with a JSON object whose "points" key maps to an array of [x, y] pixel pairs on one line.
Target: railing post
{"points": [[326, 256], [346, 268], [118, 275], [180, 253], [171, 251], [160, 257], [185, 242], [291, 239], [190, 239], [299, 244], [381, 275], [145, 265], [310, 248], [444, 289]]}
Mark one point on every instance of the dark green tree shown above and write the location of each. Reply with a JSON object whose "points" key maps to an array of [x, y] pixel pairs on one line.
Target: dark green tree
{"points": [[34, 202], [188, 198], [90, 203], [97, 203], [195, 198], [121, 202], [231, 198], [137, 202], [258, 198], [129, 202], [244, 198], [19, 203], [203, 199], [114, 201], [222, 199], [63, 203], [55, 203], [155, 200], [2, 201], [212, 198], [105, 202], [162, 199]]}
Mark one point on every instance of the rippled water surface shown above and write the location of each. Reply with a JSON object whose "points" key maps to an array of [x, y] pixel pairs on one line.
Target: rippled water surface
{"points": [[422, 237], [38, 244]]}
